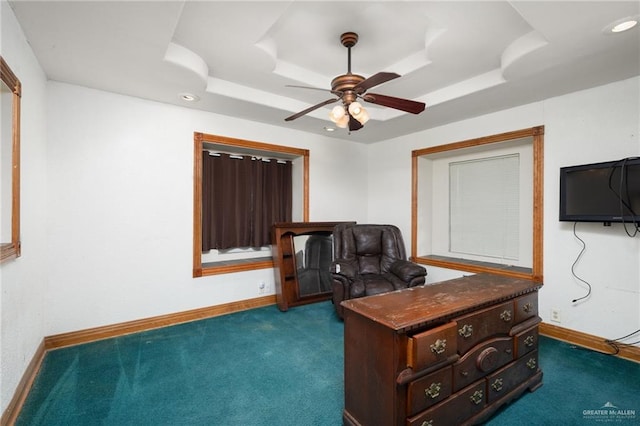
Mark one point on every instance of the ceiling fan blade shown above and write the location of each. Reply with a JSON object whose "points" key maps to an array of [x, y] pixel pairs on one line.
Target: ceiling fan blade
{"points": [[395, 103], [314, 88], [312, 108], [374, 80], [354, 124]]}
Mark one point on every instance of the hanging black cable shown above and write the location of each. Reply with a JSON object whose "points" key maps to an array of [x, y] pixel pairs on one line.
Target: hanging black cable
{"points": [[584, 246], [623, 188], [616, 343]]}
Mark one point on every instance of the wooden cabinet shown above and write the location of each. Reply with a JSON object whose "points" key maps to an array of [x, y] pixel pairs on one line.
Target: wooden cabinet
{"points": [[450, 353]]}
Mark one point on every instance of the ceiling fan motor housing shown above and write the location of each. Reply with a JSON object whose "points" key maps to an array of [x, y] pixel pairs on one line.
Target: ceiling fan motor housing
{"points": [[345, 84]]}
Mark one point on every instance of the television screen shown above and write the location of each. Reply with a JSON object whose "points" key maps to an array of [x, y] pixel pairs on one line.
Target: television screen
{"points": [[601, 192]]}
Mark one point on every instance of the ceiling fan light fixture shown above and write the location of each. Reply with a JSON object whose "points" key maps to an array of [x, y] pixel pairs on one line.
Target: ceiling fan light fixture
{"points": [[358, 112], [343, 121], [337, 113]]}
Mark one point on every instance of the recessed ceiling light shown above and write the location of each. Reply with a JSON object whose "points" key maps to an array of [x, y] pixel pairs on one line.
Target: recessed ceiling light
{"points": [[329, 129], [624, 26], [188, 97], [621, 25]]}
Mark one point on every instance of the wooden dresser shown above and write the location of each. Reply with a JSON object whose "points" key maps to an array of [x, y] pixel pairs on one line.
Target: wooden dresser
{"points": [[446, 354]]}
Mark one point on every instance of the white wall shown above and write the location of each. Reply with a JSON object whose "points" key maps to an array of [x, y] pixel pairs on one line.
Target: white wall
{"points": [[107, 205], [599, 124], [120, 205], [23, 280], [595, 125], [107, 208]]}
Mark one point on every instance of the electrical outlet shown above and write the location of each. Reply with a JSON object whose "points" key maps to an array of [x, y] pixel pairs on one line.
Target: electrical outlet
{"points": [[262, 287], [555, 315]]}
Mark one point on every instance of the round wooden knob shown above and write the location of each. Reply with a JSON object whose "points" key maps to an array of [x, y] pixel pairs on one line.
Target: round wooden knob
{"points": [[487, 360]]}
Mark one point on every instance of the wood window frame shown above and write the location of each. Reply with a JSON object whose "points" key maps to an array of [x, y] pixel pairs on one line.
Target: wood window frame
{"points": [[536, 272], [12, 249], [240, 265]]}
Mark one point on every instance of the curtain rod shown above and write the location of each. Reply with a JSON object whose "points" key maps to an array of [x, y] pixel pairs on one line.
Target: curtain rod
{"points": [[241, 157]]}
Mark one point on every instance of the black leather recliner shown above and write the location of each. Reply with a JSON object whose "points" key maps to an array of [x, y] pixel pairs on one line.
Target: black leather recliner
{"points": [[370, 259]]}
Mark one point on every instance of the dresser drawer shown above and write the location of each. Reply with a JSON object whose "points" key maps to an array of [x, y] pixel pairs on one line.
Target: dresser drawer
{"points": [[425, 392], [475, 327], [455, 410], [526, 307], [482, 360], [508, 378], [432, 346], [526, 341]]}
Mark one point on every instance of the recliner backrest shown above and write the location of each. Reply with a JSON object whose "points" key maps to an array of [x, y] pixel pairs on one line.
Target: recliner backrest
{"points": [[372, 249]]}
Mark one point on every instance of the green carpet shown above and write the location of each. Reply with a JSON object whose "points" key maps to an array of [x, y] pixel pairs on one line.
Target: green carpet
{"points": [[265, 367]]}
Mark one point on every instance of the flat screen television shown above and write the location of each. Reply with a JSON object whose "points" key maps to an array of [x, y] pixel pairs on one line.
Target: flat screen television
{"points": [[601, 192]]}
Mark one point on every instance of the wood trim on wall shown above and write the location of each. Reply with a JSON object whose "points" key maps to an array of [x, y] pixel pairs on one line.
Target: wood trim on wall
{"points": [[10, 415], [537, 135], [414, 208], [241, 266], [121, 329], [589, 341], [538, 201], [12, 249], [476, 268], [197, 205], [305, 187]]}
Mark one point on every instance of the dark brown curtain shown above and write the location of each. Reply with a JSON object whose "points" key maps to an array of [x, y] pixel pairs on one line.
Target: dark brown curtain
{"points": [[241, 199]]}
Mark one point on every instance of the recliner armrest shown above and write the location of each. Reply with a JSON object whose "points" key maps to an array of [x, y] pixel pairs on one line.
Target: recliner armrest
{"points": [[343, 268], [406, 270]]}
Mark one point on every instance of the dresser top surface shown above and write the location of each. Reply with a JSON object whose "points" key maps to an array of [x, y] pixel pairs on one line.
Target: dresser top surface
{"points": [[413, 306]]}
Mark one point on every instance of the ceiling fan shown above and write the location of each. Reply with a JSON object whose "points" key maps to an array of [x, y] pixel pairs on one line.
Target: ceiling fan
{"points": [[349, 87]]}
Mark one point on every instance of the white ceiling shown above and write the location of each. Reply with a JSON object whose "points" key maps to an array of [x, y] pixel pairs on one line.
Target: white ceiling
{"points": [[462, 59]]}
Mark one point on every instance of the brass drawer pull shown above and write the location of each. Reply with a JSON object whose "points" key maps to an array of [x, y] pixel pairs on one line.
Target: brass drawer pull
{"points": [[506, 315], [531, 363], [433, 391], [497, 385], [466, 331], [529, 341], [439, 346], [477, 397], [528, 307]]}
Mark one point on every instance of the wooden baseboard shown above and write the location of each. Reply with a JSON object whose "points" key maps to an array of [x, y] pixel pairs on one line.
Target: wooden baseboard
{"points": [[10, 415], [121, 329], [631, 353]]}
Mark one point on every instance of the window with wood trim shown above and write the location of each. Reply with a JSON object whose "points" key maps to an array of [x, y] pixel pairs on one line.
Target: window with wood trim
{"points": [[460, 209], [250, 250]]}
